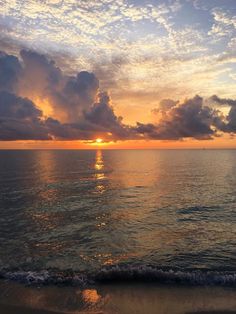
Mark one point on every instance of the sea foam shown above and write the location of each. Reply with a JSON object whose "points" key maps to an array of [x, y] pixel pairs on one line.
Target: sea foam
{"points": [[115, 274]]}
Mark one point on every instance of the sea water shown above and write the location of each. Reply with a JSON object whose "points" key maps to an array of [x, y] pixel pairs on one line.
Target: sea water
{"points": [[78, 217]]}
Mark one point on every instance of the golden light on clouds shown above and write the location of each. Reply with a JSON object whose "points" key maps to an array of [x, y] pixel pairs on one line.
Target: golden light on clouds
{"points": [[44, 105]]}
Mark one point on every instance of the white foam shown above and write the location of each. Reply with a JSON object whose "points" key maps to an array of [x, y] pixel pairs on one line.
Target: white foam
{"points": [[123, 273], [149, 273]]}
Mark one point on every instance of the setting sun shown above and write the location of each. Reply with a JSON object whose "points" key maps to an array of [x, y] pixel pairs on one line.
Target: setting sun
{"points": [[99, 140]]}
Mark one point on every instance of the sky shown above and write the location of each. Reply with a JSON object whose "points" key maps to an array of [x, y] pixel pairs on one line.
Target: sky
{"points": [[136, 74]]}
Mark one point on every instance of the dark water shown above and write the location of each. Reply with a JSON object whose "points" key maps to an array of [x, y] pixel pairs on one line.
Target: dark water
{"points": [[147, 211]]}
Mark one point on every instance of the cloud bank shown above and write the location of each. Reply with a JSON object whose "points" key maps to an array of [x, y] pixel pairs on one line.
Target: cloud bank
{"points": [[32, 86]]}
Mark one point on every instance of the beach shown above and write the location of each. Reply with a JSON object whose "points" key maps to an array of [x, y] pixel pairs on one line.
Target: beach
{"points": [[116, 298]]}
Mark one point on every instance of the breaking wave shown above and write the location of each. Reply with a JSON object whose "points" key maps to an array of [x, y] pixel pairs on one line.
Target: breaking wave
{"points": [[115, 274]]}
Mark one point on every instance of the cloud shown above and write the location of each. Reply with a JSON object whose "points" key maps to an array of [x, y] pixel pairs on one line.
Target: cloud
{"points": [[167, 104], [231, 118], [10, 70], [15, 107], [229, 123], [164, 106], [79, 93], [190, 119], [20, 119], [80, 111], [68, 96], [40, 70], [72, 98], [103, 115], [223, 101], [177, 40], [223, 24]]}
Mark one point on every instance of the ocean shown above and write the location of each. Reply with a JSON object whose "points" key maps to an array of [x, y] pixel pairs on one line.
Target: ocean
{"points": [[155, 220]]}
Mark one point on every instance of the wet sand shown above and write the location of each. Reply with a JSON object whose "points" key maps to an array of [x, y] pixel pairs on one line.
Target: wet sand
{"points": [[116, 299], [8, 309]]}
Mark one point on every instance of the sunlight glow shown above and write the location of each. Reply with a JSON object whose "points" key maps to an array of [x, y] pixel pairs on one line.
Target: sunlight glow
{"points": [[99, 140]]}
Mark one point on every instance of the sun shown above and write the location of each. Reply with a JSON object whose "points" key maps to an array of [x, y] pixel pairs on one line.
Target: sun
{"points": [[99, 140]]}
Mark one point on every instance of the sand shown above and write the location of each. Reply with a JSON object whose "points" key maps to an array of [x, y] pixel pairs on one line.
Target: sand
{"points": [[116, 299]]}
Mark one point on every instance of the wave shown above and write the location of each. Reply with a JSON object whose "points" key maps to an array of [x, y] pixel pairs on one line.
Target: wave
{"points": [[200, 209], [115, 274]]}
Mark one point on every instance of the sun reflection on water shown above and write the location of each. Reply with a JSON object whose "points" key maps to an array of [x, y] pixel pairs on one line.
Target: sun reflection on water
{"points": [[91, 296], [99, 165], [99, 172]]}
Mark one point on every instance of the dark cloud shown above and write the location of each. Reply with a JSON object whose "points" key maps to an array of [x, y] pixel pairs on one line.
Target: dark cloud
{"points": [[12, 106], [66, 131], [20, 119], [231, 118], [166, 104], [35, 63], [10, 70], [78, 94], [68, 96], [81, 112], [229, 123], [71, 97], [102, 114], [41, 78], [223, 101], [190, 119]]}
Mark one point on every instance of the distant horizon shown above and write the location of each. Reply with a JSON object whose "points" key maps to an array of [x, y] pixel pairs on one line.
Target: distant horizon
{"points": [[100, 148]]}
